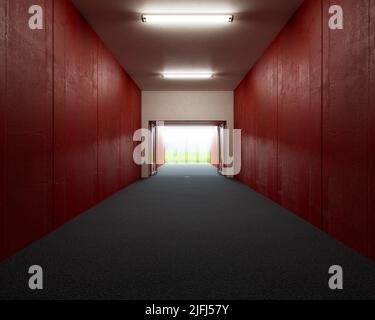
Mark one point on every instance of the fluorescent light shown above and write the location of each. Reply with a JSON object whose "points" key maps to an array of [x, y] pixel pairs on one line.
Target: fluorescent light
{"points": [[187, 76], [187, 18]]}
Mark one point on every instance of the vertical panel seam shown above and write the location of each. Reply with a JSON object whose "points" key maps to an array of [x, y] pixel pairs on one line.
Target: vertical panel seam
{"points": [[97, 121], [322, 222], [4, 129], [277, 121], [65, 12], [368, 131], [5, 164], [254, 130], [53, 115]]}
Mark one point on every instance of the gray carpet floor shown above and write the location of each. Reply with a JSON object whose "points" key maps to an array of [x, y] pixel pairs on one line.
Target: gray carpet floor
{"points": [[187, 233]]}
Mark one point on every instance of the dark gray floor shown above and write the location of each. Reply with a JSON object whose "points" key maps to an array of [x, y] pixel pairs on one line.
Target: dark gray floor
{"points": [[187, 234]]}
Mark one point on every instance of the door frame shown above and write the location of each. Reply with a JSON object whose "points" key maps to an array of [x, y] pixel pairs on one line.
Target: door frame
{"points": [[153, 167], [153, 126], [220, 129]]}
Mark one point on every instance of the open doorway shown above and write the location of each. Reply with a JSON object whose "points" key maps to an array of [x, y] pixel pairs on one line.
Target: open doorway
{"points": [[187, 143]]}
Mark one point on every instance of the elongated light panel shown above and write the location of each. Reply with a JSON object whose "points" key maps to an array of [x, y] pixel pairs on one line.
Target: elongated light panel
{"points": [[187, 19], [187, 76]]}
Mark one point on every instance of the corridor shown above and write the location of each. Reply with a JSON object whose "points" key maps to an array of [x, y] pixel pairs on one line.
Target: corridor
{"points": [[187, 233]]}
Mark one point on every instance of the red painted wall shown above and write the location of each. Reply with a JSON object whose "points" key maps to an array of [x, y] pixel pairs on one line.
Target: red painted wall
{"points": [[2, 120], [307, 111], [299, 113], [68, 113], [345, 126], [371, 135]]}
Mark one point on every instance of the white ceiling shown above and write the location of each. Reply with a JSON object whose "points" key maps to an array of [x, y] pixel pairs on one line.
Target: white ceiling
{"points": [[228, 50]]}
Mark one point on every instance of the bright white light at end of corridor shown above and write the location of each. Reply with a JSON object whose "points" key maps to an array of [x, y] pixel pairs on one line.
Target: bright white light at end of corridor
{"points": [[189, 138]]}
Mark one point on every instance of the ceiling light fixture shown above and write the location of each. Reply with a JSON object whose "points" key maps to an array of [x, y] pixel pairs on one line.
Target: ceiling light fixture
{"points": [[187, 76], [197, 19]]}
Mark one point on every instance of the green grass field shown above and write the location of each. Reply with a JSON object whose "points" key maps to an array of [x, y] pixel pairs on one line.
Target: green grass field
{"points": [[187, 157]]}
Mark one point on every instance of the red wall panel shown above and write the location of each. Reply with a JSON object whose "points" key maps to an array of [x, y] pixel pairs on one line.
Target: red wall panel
{"points": [[246, 116], [135, 109], [110, 133], [61, 205], [299, 113], [371, 135], [278, 110], [265, 121], [241, 105], [76, 116], [325, 111], [239, 123], [250, 133], [125, 172], [28, 116], [3, 19], [64, 143], [345, 115]]}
